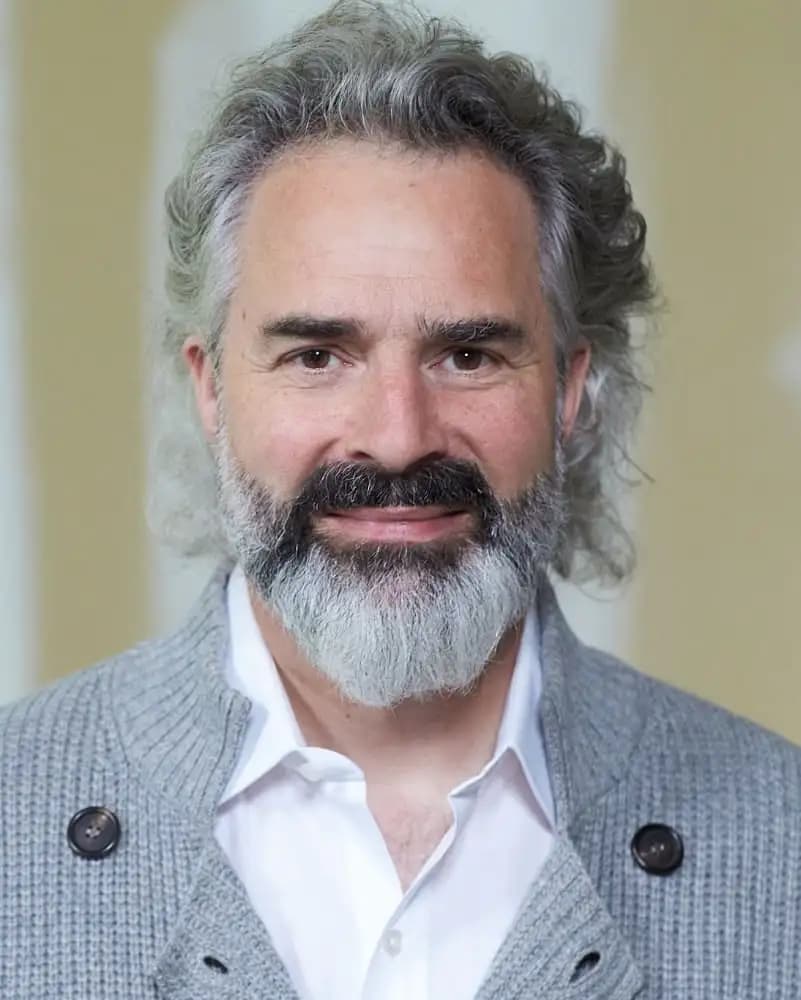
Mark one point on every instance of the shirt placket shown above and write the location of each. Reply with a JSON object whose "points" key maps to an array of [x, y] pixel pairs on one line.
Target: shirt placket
{"points": [[400, 967]]}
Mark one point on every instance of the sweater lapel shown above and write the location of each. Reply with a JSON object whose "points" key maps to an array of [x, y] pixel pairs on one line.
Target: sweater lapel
{"points": [[592, 719], [564, 944], [219, 949]]}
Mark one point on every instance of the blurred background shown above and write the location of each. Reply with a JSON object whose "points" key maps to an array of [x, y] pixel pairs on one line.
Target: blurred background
{"points": [[96, 101]]}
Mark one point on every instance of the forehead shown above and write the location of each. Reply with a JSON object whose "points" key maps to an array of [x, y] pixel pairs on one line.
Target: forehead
{"points": [[348, 226]]}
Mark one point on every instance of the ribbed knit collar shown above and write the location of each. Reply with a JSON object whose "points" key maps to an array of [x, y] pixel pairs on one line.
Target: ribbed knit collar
{"points": [[182, 725]]}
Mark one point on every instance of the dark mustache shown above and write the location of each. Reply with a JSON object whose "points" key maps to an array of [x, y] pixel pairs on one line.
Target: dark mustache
{"points": [[344, 485]]}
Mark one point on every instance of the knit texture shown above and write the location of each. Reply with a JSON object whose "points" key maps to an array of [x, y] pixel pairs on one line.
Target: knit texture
{"points": [[154, 735]]}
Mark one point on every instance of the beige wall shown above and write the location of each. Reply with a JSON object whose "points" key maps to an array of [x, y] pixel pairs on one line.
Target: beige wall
{"points": [[705, 99], [707, 96], [86, 123]]}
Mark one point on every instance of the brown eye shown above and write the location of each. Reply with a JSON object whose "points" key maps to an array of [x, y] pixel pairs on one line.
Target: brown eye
{"points": [[468, 360], [316, 358]]}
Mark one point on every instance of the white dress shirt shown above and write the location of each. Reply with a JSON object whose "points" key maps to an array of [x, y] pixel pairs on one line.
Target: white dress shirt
{"points": [[295, 825]]}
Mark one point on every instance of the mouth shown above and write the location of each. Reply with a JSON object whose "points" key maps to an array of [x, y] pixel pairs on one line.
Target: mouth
{"points": [[396, 524]]}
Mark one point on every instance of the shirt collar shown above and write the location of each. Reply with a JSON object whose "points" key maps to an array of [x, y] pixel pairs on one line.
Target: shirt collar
{"points": [[273, 733], [521, 730]]}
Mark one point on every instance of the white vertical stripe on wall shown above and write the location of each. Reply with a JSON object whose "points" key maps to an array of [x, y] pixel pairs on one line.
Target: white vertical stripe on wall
{"points": [[17, 675], [785, 364], [570, 39]]}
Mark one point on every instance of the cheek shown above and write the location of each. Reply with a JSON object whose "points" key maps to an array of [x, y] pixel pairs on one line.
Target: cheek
{"points": [[511, 437], [278, 441]]}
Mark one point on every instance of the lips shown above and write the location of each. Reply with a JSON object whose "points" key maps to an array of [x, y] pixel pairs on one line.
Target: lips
{"points": [[396, 524], [391, 514]]}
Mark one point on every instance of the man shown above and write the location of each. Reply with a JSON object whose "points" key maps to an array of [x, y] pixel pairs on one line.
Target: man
{"points": [[375, 762]]}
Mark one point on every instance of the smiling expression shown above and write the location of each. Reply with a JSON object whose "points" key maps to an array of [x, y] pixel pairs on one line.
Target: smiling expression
{"points": [[389, 311]]}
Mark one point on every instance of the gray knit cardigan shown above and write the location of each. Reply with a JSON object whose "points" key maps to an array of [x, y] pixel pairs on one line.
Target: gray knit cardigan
{"points": [[154, 733]]}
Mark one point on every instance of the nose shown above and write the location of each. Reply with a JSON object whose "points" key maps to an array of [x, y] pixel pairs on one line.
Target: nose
{"points": [[395, 422]]}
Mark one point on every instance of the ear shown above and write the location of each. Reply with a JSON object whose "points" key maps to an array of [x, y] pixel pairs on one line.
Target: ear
{"points": [[575, 379], [204, 383]]}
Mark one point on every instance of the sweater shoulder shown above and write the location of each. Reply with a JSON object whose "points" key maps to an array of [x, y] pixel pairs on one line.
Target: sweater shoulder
{"points": [[73, 713], [697, 744]]}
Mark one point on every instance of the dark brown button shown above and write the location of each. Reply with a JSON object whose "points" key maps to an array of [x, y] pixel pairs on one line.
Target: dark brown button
{"points": [[657, 849], [93, 832]]}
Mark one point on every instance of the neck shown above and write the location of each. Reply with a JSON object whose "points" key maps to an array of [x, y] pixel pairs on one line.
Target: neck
{"points": [[431, 745]]}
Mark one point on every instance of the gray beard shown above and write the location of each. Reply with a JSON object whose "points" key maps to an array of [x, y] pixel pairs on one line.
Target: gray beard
{"points": [[396, 622]]}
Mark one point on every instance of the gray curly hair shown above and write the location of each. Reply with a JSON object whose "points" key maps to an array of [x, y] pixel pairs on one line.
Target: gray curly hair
{"points": [[367, 70]]}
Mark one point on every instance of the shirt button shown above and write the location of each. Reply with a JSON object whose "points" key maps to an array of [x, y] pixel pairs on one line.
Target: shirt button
{"points": [[393, 942]]}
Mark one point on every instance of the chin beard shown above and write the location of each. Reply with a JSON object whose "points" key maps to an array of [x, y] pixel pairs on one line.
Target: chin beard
{"points": [[388, 622]]}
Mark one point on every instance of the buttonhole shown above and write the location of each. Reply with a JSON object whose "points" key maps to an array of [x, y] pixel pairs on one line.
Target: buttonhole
{"points": [[585, 965], [214, 963]]}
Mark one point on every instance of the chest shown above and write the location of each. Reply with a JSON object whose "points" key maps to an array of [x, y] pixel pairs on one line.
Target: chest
{"points": [[411, 831]]}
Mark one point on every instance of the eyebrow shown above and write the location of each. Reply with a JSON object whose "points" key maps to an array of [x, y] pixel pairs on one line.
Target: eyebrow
{"points": [[474, 330], [304, 327], [471, 330]]}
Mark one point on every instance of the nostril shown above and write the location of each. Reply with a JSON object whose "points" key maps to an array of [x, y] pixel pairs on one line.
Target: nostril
{"points": [[214, 963], [585, 965]]}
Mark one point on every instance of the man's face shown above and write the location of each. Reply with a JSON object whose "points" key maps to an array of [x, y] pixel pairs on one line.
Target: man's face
{"points": [[388, 320]]}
